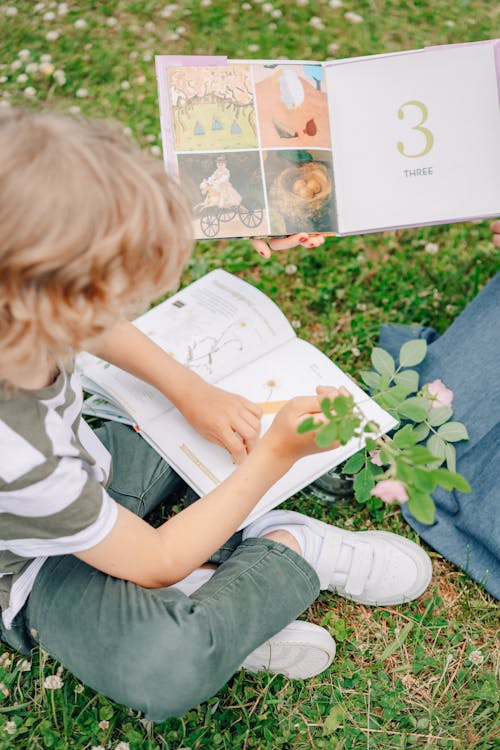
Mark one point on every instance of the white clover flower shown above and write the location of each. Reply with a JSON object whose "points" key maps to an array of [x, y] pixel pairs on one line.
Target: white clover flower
{"points": [[296, 324], [38, 7], [476, 657], [253, 48], [82, 93], [290, 269], [53, 682], [80, 23], [168, 10], [133, 55], [151, 138], [205, 3], [335, 4], [49, 16], [16, 65], [104, 724], [156, 150], [60, 77], [147, 56], [111, 21], [10, 727], [11, 11], [3, 79], [32, 68], [23, 54], [450, 24], [277, 13], [52, 36], [62, 9], [355, 351], [246, 6], [122, 746], [268, 7], [125, 85], [45, 58], [47, 69], [74, 110], [29, 92], [353, 17], [140, 80], [22, 78], [316, 23], [333, 48], [25, 665], [150, 26], [172, 36], [127, 132], [431, 248], [302, 3], [180, 30]]}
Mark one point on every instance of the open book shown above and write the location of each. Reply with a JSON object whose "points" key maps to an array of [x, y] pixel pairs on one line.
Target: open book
{"points": [[233, 335], [347, 146]]}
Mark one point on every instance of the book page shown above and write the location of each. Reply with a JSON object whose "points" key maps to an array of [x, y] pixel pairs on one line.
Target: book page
{"points": [[213, 326], [251, 145], [416, 137], [295, 368]]}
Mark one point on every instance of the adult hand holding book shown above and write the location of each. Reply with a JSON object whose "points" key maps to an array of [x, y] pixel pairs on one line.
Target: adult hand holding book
{"points": [[266, 246]]}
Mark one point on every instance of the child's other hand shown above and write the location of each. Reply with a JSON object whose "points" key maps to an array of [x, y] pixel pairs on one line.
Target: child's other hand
{"points": [[265, 247], [225, 419], [495, 228], [283, 437]]}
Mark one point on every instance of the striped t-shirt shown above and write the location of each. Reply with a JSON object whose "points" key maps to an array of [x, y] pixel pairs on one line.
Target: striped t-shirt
{"points": [[53, 472]]}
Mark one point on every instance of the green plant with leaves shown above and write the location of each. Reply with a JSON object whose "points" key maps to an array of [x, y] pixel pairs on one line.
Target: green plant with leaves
{"points": [[400, 468]]}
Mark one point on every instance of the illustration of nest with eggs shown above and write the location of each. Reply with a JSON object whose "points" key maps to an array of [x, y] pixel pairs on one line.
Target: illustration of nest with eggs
{"points": [[300, 192]]}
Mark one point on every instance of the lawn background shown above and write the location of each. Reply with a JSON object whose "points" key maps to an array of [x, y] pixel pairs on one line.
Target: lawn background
{"points": [[420, 676]]}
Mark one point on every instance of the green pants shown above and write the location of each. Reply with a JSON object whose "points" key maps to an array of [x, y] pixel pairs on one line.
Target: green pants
{"points": [[158, 650]]}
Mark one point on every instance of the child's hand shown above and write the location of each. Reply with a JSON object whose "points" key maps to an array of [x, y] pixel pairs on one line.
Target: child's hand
{"points": [[282, 436], [225, 419], [495, 228], [265, 248]]}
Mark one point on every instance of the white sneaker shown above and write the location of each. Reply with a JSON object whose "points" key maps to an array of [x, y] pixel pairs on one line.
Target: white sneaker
{"points": [[299, 651], [369, 567]]}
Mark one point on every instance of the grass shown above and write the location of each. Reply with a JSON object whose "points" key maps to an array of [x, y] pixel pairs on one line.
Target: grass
{"points": [[423, 676]]}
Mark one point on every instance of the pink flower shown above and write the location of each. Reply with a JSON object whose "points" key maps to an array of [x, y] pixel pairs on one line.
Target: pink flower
{"points": [[390, 489], [375, 458], [439, 393]]}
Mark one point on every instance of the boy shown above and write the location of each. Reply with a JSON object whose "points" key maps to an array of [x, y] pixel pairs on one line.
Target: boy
{"points": [[91, 229]]}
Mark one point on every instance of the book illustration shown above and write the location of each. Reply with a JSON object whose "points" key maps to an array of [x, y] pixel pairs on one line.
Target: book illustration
{"points": [[226, 193], [212, 107], [292, 105], [202, 354], [299, 191]]}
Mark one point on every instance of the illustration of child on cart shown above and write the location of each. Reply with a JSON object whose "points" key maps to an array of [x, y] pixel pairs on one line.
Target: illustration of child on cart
{"points": [[222, 202]]}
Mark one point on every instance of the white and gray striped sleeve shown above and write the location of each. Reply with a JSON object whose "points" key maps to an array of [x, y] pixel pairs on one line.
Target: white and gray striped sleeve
{"points": [[54, 508]]}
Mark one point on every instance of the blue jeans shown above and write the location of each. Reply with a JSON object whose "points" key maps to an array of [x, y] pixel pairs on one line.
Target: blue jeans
{"points": [[467, 359]]}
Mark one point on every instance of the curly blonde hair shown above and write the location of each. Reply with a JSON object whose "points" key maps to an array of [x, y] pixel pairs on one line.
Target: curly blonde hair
{"points": [[91, 228]]}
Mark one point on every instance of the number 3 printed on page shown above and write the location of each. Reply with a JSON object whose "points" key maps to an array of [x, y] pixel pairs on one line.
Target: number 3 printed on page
{"points": [[429, 138]]}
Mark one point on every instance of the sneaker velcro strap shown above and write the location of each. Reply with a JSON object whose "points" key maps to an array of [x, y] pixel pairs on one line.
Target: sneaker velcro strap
{"points": [[361, 567], [328, 557]]}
